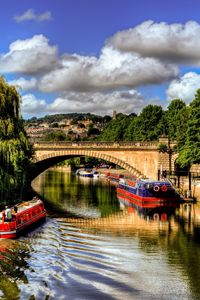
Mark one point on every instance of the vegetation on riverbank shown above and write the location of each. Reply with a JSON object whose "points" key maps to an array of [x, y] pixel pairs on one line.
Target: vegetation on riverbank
{"points": [[15, 149]]}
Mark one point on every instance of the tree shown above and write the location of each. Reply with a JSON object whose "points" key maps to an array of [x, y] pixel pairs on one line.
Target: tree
{"points": [[148, 126], [92, 130], [15, 149], [115, 129], [55, 136], [174, 116], [80, 125], [54, 125], [130, 130], [107, 119], [190, 151], [182, 126]]}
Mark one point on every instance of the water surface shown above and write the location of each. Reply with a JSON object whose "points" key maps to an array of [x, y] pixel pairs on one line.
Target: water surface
{"points": [[94, 247]]}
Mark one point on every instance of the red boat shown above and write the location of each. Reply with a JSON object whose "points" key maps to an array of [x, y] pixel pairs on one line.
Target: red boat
{"points": [[147, 193], [23, 216]]}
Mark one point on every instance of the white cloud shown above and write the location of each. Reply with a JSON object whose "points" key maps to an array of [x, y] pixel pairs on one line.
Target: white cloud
{"points": [[31, 106], [102, 103], [172, 42], [30, 15], [184, 88], [111, 70], [24, 84], [128, 101], [30, 56], [150, 53]]}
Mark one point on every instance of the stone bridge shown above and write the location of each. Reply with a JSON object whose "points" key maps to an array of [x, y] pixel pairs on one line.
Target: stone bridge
{"points": [[141, 159]]}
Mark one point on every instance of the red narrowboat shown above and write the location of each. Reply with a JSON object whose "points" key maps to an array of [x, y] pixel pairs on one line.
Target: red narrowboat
{"points": [[23, 216]]}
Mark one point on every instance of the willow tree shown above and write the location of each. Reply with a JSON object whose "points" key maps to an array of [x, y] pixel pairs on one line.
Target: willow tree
{"points": [[15, 149]]}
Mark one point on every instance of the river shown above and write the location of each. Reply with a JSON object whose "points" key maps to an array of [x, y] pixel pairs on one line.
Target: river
{"points": [[92, 246]]}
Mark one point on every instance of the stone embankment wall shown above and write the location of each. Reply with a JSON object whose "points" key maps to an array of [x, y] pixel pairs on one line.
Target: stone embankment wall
{"points": [[195, 168]]}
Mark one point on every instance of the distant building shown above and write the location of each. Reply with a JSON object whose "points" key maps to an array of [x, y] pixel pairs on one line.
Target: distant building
{"points": [[114, 115], [86, 122]]}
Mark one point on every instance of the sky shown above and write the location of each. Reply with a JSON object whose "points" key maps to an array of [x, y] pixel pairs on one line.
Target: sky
{"points": [[98, 56]]}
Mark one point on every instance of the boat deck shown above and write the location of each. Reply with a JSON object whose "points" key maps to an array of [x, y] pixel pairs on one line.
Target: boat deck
{"points": [[26, 205]]}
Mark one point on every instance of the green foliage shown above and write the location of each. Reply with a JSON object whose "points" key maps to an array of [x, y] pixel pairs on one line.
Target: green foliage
{"points": [[163, 148], [93, 131], [130, 130], [176, 115], [81, 125], [115, 129], [15, 150], [149, 125], [54, 125], [182, 126], [55, 136], [190, 151], [75, 116]]}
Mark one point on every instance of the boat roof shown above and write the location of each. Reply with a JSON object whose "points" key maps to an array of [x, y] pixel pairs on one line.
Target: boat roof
{"points": [[154, 181], [28, 204]]}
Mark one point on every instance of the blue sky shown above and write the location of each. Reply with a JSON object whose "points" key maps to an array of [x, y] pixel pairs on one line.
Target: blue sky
{"points": [[100, 55]]}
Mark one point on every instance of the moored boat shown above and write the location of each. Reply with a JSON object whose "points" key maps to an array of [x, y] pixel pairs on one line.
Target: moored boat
{"points": [[95, 174], [85, 173], [23, 216], [147, 193]]}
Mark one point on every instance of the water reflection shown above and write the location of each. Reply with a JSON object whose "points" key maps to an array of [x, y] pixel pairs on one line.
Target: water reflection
{"points": [[160, 212], [161, 234], [95, 246], [78, 196]]}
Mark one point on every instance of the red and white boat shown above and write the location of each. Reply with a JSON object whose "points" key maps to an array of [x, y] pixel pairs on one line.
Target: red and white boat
{"points": [[23, 216]]}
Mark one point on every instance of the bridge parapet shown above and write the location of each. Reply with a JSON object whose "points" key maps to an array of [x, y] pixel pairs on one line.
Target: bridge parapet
{"points": [[97, 144]]}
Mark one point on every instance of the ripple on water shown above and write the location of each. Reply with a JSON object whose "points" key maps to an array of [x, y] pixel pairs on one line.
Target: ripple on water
{"points": [[72, 262], [67, 259]]}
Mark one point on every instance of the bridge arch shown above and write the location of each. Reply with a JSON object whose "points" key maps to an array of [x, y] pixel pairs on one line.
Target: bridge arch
{"points": [[142, 159], [51, 158]]}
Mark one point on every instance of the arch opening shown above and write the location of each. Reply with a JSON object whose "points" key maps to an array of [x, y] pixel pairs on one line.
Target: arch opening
{"points": [[47, 160]]}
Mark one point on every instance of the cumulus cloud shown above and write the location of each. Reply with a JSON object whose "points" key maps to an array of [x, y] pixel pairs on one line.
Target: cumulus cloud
{"points": [[127, 101], [24, 84], [111, 70], [33, 106], [29, 56], [30, 15], [150, 53], [104, 103], [184, 88], [171, 42]]}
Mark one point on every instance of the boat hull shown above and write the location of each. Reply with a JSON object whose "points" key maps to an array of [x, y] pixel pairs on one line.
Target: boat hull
{"points": [[86, 175], [23, 220], [147, 202]]}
